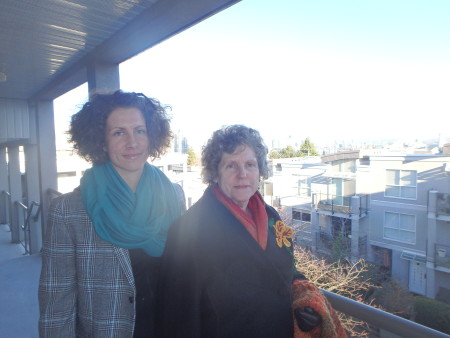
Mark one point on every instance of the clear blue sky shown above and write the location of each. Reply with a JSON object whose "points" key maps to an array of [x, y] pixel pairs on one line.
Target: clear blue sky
{"points": [[328, 70]]}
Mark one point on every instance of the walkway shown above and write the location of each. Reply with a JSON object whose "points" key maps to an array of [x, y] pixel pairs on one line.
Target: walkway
{"points": [[19, 275]]}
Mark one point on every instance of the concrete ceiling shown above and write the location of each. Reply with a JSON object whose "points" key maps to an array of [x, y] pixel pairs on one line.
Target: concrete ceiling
{"points": [[46, 45]]}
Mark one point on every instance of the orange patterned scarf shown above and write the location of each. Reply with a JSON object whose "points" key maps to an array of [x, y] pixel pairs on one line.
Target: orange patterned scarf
{"points": [[255, 225], [306, 295]]}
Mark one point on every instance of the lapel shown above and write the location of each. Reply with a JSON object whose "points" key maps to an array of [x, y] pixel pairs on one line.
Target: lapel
{"points": [[123, 256], [274, 260]]}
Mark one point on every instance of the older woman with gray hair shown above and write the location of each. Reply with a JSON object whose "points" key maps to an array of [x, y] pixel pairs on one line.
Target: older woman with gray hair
{"points": [[228, 267]]}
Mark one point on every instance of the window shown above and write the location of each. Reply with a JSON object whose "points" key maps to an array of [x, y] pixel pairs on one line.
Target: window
{"points": [[401, 183], [400, 227], [304, 187], [301, 224], [301, 216], [344, 166], [337, 190], [340, 225]]}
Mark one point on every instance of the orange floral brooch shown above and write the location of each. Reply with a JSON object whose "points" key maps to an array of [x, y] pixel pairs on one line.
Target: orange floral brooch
{"points": [[283, 233]]}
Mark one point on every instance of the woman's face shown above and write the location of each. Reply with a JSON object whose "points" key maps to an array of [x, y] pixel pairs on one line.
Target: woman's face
{"points": [[239, 175], [127, 142]]}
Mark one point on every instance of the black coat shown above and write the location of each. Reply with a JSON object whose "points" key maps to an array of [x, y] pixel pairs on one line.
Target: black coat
{"points": [[216, 281]]}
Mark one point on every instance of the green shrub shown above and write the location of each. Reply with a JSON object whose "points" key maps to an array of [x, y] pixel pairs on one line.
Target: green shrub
{"points": [[432, 313]]}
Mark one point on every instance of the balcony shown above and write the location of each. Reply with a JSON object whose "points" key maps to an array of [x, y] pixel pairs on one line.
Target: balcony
{"points": [[442, 256], [346, 205], [19, 284], [443, 204]]}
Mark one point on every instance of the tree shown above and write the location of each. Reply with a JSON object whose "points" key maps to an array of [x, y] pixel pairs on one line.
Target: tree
{"points": [[192, 157], [307, 148], [346, 279], [288, 152], [273, 154]]}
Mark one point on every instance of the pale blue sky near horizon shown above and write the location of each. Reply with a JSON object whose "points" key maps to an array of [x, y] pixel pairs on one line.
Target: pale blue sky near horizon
{"points": [[333, 71]]}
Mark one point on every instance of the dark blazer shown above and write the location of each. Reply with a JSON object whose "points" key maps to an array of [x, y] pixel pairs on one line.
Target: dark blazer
{"points": [[86, 288], [216, 281]]}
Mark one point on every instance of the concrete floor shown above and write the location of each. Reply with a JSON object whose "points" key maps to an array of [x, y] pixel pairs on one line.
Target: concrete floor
{"points": [[19, 276]]}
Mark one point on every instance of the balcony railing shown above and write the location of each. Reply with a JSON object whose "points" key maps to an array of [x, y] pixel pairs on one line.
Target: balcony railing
{"points": [[25, 215], [443, 204], [442, 255], [386, 322], [340, 204]]}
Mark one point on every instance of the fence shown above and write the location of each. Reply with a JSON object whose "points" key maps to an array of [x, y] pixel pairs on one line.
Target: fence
{"points": [[386, 322]]}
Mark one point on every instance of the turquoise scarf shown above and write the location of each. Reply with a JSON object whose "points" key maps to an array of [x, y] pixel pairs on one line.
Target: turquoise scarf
{"points": [[127, 219]]}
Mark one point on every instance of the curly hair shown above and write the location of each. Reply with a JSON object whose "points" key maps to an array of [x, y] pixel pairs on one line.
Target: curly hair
{"points": [[88, 126], [226, 140]]}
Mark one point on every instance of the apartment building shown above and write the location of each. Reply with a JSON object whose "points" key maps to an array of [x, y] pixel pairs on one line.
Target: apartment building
{"points": [[392, 209]]}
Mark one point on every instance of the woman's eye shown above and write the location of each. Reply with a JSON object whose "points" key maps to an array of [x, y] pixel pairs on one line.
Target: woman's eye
{"points": [[142, 131], [229, 166], [118, 133]]}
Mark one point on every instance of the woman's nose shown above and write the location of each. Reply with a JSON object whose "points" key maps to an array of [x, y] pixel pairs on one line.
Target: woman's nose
{"points": [[242, 172], [131, 140]]}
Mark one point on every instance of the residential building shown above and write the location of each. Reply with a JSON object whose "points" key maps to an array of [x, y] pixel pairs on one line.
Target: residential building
{"points": [[392, 209]]}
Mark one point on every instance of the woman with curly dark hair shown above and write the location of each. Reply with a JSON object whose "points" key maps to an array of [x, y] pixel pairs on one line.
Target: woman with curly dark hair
{"points": [[102, 247]]}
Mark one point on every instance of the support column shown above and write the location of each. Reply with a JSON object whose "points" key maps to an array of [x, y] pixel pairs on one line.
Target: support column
{"points": [[4, 186], [355, 204], [103, 78], [15, 183], [33, 185], [46, 155], [314, 230], [431, 244]]}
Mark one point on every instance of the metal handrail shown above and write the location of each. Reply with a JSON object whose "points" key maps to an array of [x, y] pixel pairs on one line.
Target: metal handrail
{"points": [[27, 213], [18, 205], [381, 319]]}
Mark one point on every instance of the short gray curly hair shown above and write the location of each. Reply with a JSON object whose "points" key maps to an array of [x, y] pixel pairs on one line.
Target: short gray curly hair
{"points": [[226, 140]]}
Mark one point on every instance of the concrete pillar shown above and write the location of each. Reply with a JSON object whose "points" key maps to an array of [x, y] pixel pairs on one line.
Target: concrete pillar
{"points": [[103, 78], [15, 183], [31, 152], [45, 131], [431, 240], [4, 186], [34, 195], [314, 230], [355, 205]]}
